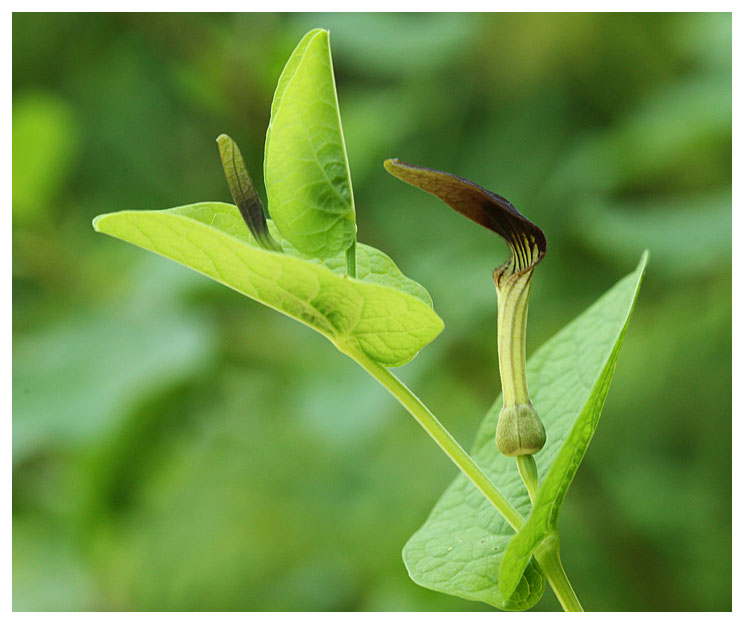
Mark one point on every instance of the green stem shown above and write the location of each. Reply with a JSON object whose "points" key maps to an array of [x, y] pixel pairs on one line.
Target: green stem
{"points": [[529, 473], [547, 553], [441, 436], [352, 260], [547, 556]]}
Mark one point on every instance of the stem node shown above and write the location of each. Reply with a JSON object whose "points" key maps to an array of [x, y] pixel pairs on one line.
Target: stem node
{"points": [[547, 556]]}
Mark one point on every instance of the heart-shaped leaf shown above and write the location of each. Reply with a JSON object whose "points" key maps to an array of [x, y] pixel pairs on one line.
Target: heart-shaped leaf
{"points": [[384, 314], [464, 543], [306, 171]]}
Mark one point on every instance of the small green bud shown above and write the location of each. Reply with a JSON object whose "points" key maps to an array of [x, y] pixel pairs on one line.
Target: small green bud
{"points": [[520, 431]]}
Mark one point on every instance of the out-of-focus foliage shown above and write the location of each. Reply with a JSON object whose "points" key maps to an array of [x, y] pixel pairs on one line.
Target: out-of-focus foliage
{"points": [[177, 446]]}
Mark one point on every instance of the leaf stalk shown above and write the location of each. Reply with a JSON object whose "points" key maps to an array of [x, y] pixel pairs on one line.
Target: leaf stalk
{"points": [[440, 435], [547, 555], [352, 259]]}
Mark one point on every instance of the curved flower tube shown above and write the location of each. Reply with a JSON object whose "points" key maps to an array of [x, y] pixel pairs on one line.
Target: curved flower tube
{"points": [[519, 429]]}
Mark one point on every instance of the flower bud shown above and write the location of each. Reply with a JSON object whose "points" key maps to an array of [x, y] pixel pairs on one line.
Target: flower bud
{"points": [[520, 431], [244, 193]]}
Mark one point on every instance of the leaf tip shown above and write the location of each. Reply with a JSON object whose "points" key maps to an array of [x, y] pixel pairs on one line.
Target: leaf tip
{"points": [[316, 33], [97, 220], [394, 165]]}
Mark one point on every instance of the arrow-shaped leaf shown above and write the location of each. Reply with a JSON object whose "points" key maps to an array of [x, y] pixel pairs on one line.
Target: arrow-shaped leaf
{"points": [[377, 314], [463, 544], [574, 434]]}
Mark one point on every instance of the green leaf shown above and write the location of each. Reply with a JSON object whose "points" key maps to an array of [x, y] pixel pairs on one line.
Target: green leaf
{"points": [[372, 265], [378, 268], [306, 171], [575, 434], [464, 542], [388, 324]]}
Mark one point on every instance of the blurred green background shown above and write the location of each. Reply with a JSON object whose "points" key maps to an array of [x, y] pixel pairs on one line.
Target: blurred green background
{"points": [[179, 447]]}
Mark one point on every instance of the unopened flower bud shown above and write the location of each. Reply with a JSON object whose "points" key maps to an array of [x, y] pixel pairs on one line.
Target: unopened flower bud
{"points": [[520, 431]]}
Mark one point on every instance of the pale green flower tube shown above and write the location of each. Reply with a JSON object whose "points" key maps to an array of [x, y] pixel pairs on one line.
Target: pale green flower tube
{"points": [[519, 429]]}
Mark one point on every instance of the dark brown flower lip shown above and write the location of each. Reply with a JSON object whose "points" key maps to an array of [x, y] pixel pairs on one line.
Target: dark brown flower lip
{"points": [[492, 211]]}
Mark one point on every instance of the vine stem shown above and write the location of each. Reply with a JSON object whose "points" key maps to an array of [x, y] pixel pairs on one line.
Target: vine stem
{"points": [[547, 553], [547, 556], [352, 260], [441, 436]]}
